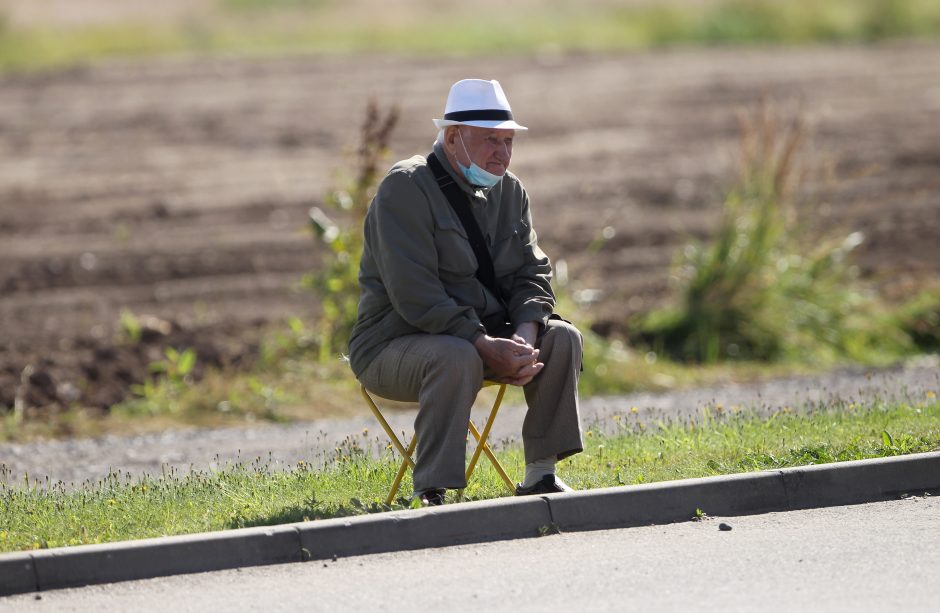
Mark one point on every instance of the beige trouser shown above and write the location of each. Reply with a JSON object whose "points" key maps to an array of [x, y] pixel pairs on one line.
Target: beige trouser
{"points": [[443, 374]]}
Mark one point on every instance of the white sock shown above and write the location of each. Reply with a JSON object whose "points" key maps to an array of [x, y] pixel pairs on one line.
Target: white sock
{"points": [[534, 471]]}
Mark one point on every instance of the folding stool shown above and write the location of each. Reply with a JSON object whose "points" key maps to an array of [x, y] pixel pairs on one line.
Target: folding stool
{"points": [[482, 446]]}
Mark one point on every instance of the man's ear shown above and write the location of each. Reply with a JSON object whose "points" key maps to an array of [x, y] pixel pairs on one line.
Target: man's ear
{"points": [[450, 139]]}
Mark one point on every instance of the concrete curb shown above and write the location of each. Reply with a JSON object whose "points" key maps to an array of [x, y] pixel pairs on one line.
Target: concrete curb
{"points": [[474, 522], [458, 524]]}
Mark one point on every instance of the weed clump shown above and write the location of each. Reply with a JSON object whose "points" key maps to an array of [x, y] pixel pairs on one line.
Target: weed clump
{"points": [[768, 287], [920, 319]]}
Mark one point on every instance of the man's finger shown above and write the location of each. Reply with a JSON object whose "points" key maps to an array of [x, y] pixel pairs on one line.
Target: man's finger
{"points": [[525, 370], [522, 361], [518, 340], [520, 381], [529, 370]]}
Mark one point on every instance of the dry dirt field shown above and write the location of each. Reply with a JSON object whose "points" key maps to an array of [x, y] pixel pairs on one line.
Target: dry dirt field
{"points": [[179, 188]]}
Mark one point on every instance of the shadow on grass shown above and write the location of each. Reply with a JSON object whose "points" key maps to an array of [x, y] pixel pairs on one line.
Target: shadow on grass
{"points": [[312, 510]]}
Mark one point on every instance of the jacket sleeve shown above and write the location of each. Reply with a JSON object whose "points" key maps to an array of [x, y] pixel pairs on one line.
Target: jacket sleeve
{"points": [[402, 239], [531, 297]]}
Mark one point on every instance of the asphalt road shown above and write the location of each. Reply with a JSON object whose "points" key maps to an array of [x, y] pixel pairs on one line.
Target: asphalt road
{"points": [[870, 557]]}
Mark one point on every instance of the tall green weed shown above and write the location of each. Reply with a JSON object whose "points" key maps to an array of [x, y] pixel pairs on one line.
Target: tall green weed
{"points": [[337, 280], [768, 286]]}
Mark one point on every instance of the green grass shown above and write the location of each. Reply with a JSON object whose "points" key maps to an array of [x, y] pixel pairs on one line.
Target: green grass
{"points": [[320, 26], [291, 384], [624, 450]]}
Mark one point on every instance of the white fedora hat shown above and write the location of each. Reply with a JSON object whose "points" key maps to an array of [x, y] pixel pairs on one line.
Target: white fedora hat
{"points": [[480, 103]]}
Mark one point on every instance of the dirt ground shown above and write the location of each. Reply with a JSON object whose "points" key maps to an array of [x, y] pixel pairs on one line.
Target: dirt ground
{"points": [[180, 188]]}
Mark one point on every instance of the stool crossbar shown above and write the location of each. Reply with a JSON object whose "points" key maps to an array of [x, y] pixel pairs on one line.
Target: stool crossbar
{"points": [[407, 452]]}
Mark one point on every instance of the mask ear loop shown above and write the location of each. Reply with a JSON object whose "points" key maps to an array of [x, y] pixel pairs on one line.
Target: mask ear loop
{"points": [[464, 145]]}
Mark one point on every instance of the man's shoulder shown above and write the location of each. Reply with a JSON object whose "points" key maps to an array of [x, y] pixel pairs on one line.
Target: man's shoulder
{"points": [[403, 187], [512, 179], [409, 166], [512, 186]]}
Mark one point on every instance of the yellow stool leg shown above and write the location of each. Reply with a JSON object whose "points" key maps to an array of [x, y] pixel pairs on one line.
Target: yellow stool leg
{"points": [[401, 471], [408, 460], [482, 446], [405, 453], [386, 427], [492, 458], [486, 431]]}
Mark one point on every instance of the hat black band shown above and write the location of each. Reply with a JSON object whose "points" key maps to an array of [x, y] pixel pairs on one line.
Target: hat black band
{"points": [[481, 115]]}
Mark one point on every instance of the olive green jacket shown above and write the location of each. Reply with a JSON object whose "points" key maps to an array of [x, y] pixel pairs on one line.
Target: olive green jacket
{"points": [[417, 269]]}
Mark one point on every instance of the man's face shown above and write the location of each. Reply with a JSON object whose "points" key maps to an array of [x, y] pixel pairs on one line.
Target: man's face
{"points": [[489, 148]]}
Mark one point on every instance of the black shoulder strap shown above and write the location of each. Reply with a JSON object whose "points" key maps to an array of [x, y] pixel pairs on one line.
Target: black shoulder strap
{"points": [[458, 201]]}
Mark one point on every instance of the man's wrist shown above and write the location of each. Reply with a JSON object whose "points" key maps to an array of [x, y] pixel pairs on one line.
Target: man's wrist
{"points": [[481, 341], [528, 331]]}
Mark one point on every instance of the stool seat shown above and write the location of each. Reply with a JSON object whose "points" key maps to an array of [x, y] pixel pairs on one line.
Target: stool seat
{"points": [[481, 438]]}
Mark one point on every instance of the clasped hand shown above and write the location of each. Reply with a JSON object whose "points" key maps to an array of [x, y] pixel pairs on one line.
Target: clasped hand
{"points": [[512, 360]]}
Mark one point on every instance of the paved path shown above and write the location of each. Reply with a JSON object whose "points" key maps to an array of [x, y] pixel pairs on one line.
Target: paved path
{"points": [[870, 557], [80, 459]]}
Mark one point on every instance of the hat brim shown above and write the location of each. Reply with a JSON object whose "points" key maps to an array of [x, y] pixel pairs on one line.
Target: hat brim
{"points": [[493, 124]]}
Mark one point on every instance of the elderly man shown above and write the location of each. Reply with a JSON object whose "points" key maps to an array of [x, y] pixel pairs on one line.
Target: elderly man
{"points": [[455, 289]]}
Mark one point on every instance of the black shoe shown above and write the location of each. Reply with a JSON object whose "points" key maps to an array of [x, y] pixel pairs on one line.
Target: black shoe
{"points": [[549, 484], [432, 498]]}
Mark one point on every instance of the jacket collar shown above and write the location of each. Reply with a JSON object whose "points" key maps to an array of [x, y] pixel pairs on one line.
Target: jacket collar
{"points": [[478, 192]]}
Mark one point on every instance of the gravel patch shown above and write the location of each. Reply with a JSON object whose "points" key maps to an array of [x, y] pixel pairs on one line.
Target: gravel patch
{"points": [[77, 460]]}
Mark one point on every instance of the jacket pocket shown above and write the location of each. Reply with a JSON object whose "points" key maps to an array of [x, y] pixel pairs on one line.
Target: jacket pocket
{"points": [[508, 250], [454, 254]]}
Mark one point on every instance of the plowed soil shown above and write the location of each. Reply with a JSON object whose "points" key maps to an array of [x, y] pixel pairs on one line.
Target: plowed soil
{"points": [[179, 188]]}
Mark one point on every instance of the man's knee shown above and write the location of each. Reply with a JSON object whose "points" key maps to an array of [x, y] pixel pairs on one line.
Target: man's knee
{"points": [[564, 334], [459, 355]]}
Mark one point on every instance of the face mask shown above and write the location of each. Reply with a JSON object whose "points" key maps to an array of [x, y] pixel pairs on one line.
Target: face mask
{"points": [[474, 174]]}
